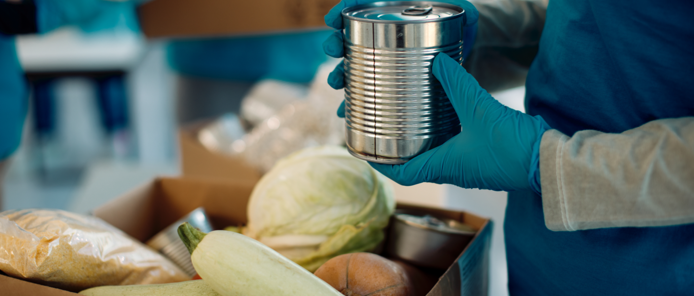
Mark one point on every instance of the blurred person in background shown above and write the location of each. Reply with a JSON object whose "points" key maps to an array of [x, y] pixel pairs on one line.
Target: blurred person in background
{"points": [[15, 18], [600, 172], [214, 74], [41, 16]]}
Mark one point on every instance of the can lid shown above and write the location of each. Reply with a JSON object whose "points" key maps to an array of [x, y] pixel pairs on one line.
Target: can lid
{"points": [[403, 11], [437, 224]]}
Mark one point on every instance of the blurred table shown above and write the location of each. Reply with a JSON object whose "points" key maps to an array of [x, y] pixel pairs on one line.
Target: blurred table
{"points": [[68, 50], [102, 59]]}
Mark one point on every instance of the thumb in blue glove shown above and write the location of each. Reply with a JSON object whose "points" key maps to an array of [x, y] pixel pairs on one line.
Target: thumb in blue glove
{"points": [[497, 149]]}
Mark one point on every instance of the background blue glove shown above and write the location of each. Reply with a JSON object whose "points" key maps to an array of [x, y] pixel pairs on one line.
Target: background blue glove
{"points": [[333, 46], [89, 15], [497, 149]]}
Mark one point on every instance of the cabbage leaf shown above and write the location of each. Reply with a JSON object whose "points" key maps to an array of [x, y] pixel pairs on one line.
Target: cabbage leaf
{"points": [[319, 203]]}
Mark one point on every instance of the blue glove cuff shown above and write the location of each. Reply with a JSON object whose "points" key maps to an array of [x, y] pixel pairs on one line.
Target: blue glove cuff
{"points": [[48, 16], [534, 172]]}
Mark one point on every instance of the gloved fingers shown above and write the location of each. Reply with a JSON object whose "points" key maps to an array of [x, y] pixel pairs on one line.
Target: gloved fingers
{"points": [[88, 15], [422, 168], [471, 13], [336, 78], [334, 17], [462, 89], [341, 110], [333, 45]]}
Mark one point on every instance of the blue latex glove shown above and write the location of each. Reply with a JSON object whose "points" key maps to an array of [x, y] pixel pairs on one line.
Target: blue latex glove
{"points": [[497, 149], [333, 46], [89, 15]]}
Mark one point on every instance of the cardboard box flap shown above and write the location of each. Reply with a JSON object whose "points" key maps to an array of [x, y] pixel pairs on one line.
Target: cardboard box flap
{"points": [[198, 161], [138, 204], [224, 202], [158, 204], [16, 287]]}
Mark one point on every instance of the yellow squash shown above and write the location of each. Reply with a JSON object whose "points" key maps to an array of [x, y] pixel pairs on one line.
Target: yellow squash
{"points": [[234, 265], [189, 288]]}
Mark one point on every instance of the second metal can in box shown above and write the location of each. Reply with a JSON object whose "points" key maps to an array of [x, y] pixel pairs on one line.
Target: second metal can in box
{"points": [[395, 107], [168, 242]]}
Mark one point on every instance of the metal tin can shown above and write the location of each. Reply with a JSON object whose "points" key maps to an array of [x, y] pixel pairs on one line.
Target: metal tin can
{"points": [[395, 107], [168, 243], [426, 241]]}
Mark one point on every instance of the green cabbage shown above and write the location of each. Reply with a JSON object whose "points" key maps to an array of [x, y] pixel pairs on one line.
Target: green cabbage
{"points": [[319, 203]]}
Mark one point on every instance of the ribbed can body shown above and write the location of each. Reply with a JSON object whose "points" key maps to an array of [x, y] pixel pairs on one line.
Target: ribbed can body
{"points": [[395, 108]]}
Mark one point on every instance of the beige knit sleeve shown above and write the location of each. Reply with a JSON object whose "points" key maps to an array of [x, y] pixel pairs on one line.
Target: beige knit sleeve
{"points": [[639, 178]]}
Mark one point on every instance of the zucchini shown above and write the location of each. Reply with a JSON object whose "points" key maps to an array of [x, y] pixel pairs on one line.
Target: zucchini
{"points": [[233, 264], [188, 288]]}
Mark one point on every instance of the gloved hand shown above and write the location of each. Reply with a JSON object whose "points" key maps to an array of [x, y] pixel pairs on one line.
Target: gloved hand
{"points": [[497, 149], [333, 46], [89, 15]]}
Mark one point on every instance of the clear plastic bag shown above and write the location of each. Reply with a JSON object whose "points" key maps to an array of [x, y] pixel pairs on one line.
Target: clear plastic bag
{"points": [[75, 252], [268, 97], [305, 123], [297, 126]]}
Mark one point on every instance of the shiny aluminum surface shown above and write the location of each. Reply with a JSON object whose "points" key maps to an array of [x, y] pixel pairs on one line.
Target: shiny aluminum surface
{"points": [[168, 243], [395, 107], [434, 243]]}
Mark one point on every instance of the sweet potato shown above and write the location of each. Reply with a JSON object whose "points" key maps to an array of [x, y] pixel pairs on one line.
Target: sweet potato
{"points": [[359, 274]]}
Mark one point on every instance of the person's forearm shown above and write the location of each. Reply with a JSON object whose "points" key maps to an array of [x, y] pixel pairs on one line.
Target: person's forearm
{"points": [[639, 178], [509, 23]]}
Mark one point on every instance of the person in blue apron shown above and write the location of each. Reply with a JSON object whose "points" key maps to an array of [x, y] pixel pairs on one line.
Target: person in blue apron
{"points": [[40, 16], [210, 70], [15, 18], [600, 171]]}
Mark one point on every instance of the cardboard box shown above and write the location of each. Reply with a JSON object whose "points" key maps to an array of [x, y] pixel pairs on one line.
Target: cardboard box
{"points": [[186, 18], [198, 161], [149, 209]]}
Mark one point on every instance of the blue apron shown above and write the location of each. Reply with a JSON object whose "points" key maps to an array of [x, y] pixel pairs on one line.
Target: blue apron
{"points": [[608, 66], [292, 57], [13, 98]]}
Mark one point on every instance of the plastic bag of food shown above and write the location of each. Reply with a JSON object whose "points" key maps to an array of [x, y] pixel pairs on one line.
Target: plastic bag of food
{"points": [[267, 97], [75, 252], [306, 123]]}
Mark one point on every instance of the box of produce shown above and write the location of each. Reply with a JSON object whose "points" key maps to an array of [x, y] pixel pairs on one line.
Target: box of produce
{"points": [[318, 223]]}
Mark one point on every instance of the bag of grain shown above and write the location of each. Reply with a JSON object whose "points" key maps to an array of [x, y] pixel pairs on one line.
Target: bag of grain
{"points": [[75, 252]]}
